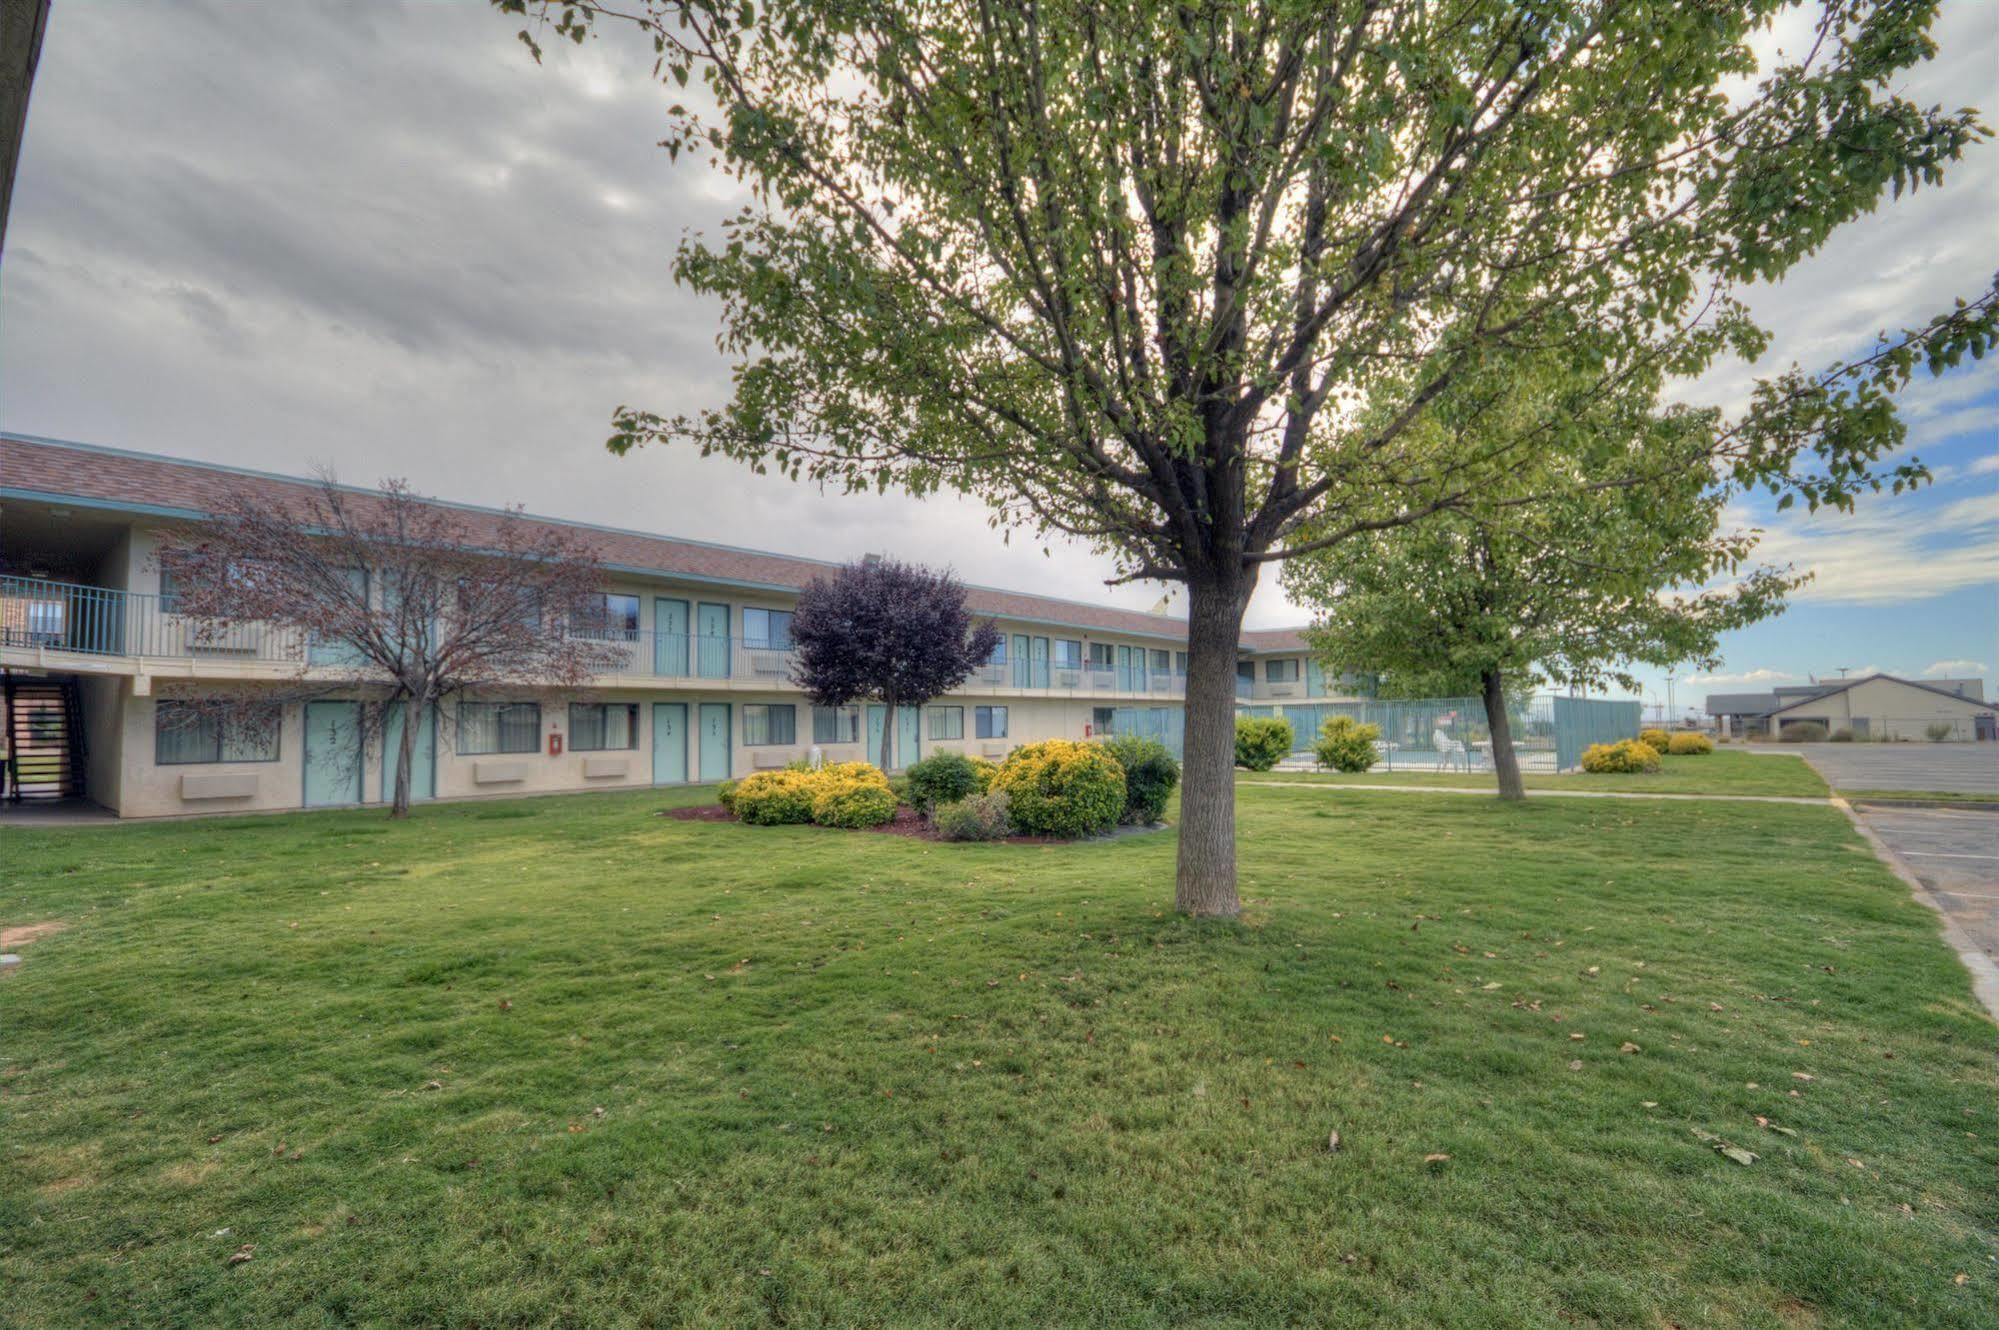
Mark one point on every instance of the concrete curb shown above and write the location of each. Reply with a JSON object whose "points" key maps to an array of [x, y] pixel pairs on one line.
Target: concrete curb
{"points": [[1984, 974], [1947, 805]]}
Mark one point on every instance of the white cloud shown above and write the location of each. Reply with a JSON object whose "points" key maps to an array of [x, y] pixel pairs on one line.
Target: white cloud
{"points": [[1886, 551], [1950, 669], [1984, 466], [1747, 678]]}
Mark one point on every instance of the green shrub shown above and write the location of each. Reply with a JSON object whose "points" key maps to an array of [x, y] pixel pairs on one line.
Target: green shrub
{"points": [[1802, 732], [1688, 744], [1344, 744], [1842, 735], [1656, 740], [979, 817], [1261, 742], [1626, 756], [775, 798], [1150, 776], [1939, 731], [946, 778], [1062, 788], [899, 787], [725, 795]]}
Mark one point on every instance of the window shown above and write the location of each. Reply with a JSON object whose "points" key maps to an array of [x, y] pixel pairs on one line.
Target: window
{"points": [[947, 722], [1101, 656], [991, 722], [1280, 671], [185, 733], [767, 630], [1180, 663], [169, 590], [499, 727], [836, 725], [999, 652], [614, 616], [1162, 661], [1068, 654], [597, 726], [767, 725]]}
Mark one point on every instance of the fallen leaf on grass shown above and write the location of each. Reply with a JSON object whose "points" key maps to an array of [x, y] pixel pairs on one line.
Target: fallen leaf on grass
{"points": [[1629, 1047], [1727, 1150], [1435, 1158], [1803, 1076], [1577, 1065], [242, 1253], [1333, 1142]]}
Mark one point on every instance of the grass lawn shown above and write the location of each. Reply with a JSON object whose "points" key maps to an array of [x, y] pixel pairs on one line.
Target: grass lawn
{"points": [[565, 1063], [1720, 772]]}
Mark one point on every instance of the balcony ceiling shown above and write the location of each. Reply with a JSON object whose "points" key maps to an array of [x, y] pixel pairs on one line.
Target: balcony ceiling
{"points": [[48, 539]]}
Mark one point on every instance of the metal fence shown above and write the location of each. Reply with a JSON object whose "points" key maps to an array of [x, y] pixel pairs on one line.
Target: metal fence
{"points": [[1451, 733]]}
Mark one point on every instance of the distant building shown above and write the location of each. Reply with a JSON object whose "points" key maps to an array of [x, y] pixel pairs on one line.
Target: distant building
{"points": [[1876, 706]]}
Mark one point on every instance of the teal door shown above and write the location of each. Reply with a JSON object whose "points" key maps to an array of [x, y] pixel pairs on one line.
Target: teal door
{"points": [[332, 753], [1022, 666], [877, 718], [1040, 662], [711, 641], [669, 742], [1315, 678], [715, 722], [908, 736], [423, 756], [669, 639]]}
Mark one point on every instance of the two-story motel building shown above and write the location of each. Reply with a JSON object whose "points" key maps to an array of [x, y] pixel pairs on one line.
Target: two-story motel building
{"points": [[89, 644]]}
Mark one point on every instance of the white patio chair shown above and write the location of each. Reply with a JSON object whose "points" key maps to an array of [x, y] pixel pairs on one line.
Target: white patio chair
{"points": [[1449, 750]]}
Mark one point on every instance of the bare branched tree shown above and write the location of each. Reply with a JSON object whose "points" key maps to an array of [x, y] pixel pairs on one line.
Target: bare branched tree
{"points": [[394, 598]]}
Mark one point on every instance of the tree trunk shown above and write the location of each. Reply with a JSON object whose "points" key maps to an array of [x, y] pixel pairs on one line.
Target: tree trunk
{"points": [[1504, 760], [399, 806], [888, 731], [1207, 882]]}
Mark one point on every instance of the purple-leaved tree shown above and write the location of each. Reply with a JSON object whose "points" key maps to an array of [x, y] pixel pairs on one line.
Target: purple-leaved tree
{"points": [[889, 632]]}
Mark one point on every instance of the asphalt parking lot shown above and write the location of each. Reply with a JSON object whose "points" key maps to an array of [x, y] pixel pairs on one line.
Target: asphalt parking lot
{"points": [[1960, 768], [1955, 853]]}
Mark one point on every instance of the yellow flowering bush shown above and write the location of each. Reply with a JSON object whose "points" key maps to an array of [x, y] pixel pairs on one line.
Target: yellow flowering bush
{"points": [[774, 798], [1656, 740], [852, 794], [1689, 744], [844, 794], [1626, 756], [1062, 788]]}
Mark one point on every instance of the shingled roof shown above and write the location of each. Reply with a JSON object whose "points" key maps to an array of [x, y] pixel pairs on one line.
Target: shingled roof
{"points": [[33, 467]]}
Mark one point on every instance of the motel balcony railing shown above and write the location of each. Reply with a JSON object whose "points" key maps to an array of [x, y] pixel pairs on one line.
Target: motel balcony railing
{"points": [[66, 618], [46, 616]]}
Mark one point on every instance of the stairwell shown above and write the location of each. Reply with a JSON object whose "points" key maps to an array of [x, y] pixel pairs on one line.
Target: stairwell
{"points": [[44, 723]]}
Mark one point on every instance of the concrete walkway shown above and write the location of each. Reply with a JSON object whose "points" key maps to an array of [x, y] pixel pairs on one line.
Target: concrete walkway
{"points": [[1490, 793], [1956, 768]]}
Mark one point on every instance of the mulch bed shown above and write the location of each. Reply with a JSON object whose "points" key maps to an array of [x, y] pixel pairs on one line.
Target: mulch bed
{"points": [[908, 823]]}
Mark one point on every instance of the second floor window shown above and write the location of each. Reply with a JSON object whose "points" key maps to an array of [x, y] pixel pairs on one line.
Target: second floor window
{"points": [[1280, 671], [1068, 654], [1102, 656], [947, 722], [499, 727], [595, 727], [836, 725], [771, 725], [613, 615], [767, 630]]}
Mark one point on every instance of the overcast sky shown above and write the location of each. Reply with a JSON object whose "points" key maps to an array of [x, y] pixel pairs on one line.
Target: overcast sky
{"points": [[374, 235]]}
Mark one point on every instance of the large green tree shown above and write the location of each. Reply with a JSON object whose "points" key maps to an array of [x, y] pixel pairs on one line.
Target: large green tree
{"points": [[1131, 271], [1573, 588]]}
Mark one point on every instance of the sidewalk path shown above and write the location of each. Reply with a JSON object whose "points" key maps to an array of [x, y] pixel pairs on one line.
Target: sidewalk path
{"points": [[1491, 793]]}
